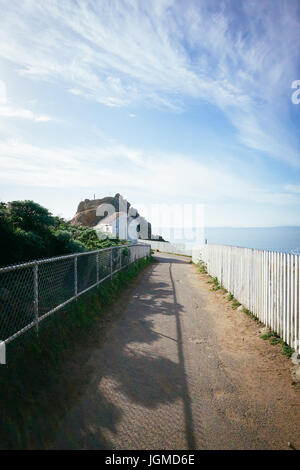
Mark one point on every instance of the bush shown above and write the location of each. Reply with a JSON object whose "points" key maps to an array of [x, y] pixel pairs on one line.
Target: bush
{"points": [[29, 231]]}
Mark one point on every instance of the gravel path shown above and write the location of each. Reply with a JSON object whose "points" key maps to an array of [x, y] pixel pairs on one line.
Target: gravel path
{"points": [[180, 369]]}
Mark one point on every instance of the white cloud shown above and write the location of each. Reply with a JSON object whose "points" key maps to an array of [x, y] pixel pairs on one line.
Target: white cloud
{"points": [[293, 188], [9, 111], [241, 59], [2, 93], [160, 175]]}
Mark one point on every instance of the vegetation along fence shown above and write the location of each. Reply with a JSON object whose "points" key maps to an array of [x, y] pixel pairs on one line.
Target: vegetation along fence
{"points": [[30, 292], [265, 282]]}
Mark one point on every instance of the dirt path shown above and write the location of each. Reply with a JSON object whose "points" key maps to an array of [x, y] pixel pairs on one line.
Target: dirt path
{"points": [[181, 370]]}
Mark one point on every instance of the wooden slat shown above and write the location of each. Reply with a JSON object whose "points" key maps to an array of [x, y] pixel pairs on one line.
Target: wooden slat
{"points": [[265, 282]]}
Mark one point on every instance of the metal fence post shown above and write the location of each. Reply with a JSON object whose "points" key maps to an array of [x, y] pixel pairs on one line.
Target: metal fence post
{"points": [[2, 352], [97, 266], [36, 296], [111, 263], [75, 277]]}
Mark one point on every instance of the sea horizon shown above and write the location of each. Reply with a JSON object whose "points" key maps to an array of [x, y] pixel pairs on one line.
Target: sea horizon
{"points": [[283, 238]]}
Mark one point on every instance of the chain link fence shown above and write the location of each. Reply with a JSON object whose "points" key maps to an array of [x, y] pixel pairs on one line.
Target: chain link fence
{"points": [[30, 292]]}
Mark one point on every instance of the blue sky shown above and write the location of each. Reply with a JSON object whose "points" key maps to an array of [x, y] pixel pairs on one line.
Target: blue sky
{"points": [[162, 101]]}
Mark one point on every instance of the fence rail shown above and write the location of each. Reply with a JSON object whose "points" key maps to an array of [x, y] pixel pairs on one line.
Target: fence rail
{"points": [[265, 282], [32, 291]]}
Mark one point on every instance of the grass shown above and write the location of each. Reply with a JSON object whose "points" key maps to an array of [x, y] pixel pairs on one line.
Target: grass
{"points": [[36, 391], [287, 350], [235, 304], [250, 314], [216, 285], [274, 339], [212, 280], [202, 267], [267, 335]]}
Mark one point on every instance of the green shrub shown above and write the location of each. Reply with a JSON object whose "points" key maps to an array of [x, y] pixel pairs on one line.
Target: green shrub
{"points": [[29, 231]]}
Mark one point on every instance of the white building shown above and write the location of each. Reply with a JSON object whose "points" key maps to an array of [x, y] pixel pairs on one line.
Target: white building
{"points": [[118, 225]]}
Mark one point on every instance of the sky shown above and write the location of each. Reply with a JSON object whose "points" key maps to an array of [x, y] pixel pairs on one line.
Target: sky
{"points": [[166, 102]]}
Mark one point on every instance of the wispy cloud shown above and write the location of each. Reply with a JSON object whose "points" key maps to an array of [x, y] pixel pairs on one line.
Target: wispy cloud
{"points": [[293, 188], [7, 110], [239, 56], [162, 174]]}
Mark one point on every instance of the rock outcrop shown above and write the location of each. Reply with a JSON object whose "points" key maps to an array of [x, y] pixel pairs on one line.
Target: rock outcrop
{"points": [[86, 211]]}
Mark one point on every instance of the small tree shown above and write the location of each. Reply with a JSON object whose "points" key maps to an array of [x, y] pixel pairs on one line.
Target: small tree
{"points": [[30, 216]]}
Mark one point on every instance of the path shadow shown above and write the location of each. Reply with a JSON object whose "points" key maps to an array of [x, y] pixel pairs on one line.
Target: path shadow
{"points": [[84, 401], [123, 369]]}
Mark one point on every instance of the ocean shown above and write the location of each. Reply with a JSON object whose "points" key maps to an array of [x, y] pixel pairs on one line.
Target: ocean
{"points": [[284, 239]]}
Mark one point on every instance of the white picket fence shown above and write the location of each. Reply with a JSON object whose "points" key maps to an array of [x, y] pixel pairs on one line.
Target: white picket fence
{"points": [[265, 282]]}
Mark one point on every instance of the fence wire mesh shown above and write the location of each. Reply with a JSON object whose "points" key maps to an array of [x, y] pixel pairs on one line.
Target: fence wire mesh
{"points": [[86, 271], [32, 291], [17, 300], [55, 284]]}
